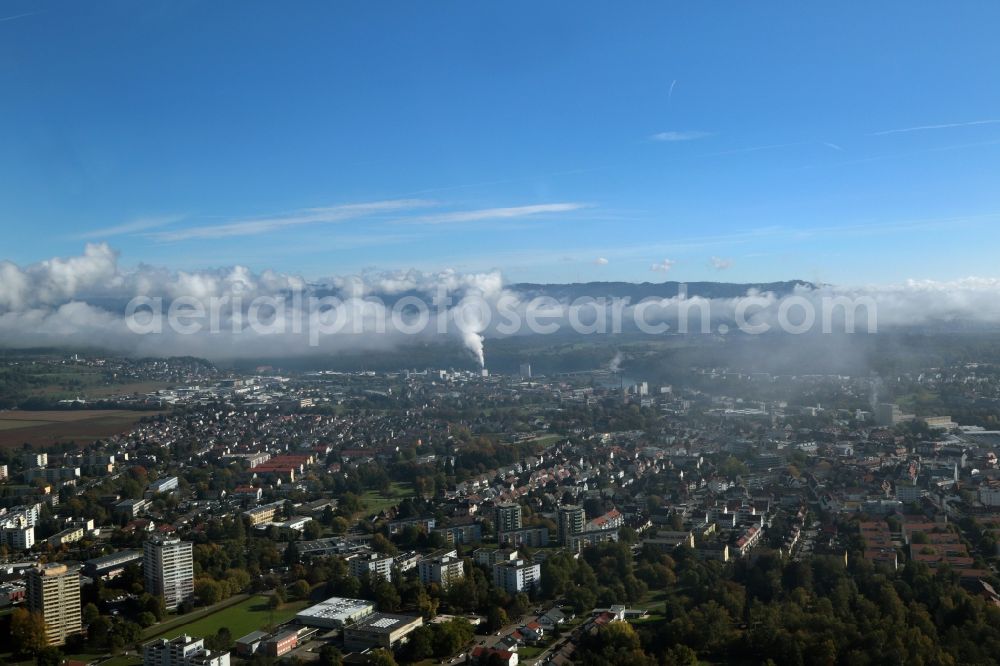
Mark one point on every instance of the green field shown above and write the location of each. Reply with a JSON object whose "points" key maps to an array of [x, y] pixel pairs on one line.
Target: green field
{"points": [[375, 501], [89, 657], [530, 651], [652, 618], [241, 619], [89, 383], [546, 440], [122, 660]]}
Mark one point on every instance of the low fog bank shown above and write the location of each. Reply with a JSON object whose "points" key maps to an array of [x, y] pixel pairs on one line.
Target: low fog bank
{"points": [[82, 301]]}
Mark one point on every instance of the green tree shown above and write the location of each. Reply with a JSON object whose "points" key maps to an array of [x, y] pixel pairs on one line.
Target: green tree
{"points": [[496, 618], [381, 658], [381, 544], [312, 530], [207, 591], [328, 516], [330, 655], [27, 632], [222, 640], [90, 613], [292, 555], [98, 631], [450, 637], [300, 589], [615, 644], [238, 580], [582, 599], [628, 535], [49, 656], [732, 467], [680, 655], [426, 604], [155, 604], [386, 596], [420, 645]]}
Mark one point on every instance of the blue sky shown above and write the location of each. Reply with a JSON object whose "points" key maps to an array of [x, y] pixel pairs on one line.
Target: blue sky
{"points": [[847, 142]]}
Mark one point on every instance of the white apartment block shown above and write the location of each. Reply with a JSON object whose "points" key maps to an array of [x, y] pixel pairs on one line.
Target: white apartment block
{"points": [[443, 570], [374, 564], [182, 651], [54, 592], [168, 567], [17, 537], [517, 576]]}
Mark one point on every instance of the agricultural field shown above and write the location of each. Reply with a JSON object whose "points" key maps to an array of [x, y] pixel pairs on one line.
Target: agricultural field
{"points": [[55, 381], [19, 424], [54, 427]]}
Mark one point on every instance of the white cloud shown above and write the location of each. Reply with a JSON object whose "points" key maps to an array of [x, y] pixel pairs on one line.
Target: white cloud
{"points": [[601, 261], [921, 128], [135, 226], [4, 19], [721, 264], [497, 213], [403, 210], [80, 301], [257, 226], [754, 149], [663, 266], [687, 135]]}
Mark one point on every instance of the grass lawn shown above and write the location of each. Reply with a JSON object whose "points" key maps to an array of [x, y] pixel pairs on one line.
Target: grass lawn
{"points": [[123, 660], [652, 618], [652, 598], [125, 389], [547, 440], [242, 618], [375, 501], [529, 652], [7, 659]]}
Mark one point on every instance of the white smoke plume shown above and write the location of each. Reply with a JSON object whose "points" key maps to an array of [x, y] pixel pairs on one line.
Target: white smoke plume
{"points": [[475, 343]]}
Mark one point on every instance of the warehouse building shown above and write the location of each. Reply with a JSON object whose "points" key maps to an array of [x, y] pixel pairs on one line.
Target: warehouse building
{"points": [[335, 612], [380, 630]]}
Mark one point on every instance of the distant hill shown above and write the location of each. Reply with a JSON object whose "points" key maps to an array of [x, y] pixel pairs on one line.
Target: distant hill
{"points": [[639, 291]]}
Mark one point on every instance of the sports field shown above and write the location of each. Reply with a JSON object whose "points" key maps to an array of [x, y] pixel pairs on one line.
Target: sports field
{"points": [[249, 615]]}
